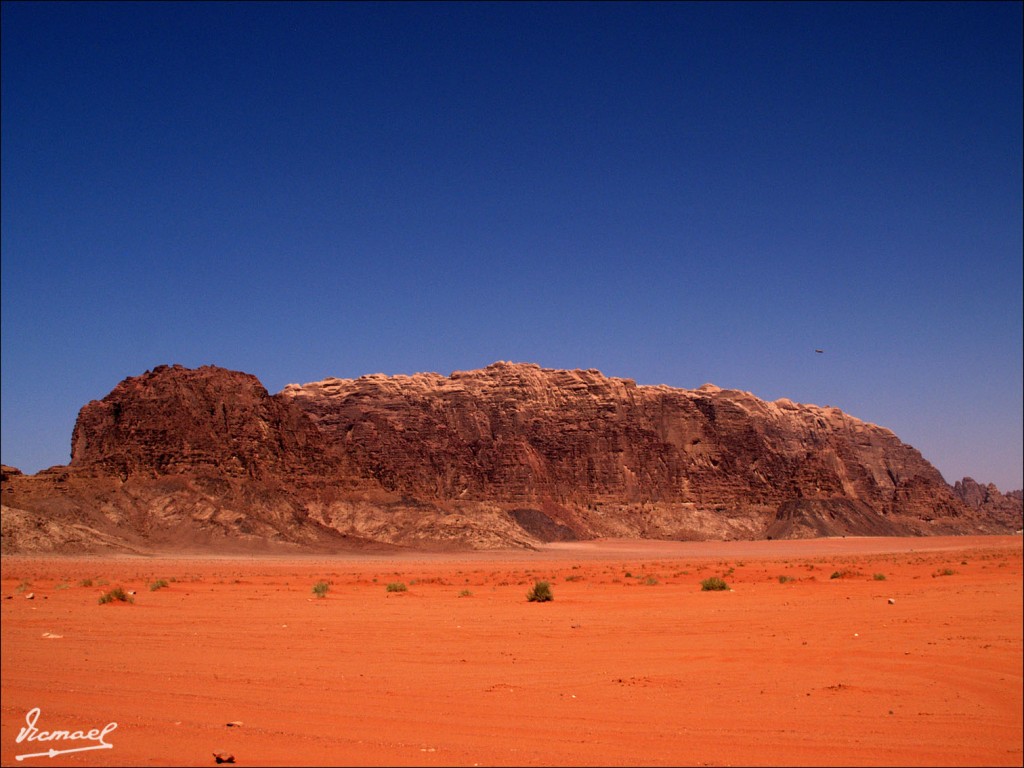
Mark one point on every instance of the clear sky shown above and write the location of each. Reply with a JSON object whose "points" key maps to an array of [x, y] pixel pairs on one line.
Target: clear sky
{"points": [[674, 193]]}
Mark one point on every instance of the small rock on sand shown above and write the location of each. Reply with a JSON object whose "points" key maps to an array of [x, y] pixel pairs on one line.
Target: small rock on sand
{"points": [[223, 757]]}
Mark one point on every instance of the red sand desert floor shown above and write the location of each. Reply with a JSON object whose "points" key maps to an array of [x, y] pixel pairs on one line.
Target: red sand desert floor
{"points": [[911, 655]]}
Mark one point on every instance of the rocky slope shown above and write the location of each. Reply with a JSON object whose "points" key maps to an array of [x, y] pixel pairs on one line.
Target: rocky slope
{"points": [[511, 455]]}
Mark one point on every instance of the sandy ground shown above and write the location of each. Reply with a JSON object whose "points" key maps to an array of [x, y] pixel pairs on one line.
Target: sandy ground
{"points": [[632, 663]]}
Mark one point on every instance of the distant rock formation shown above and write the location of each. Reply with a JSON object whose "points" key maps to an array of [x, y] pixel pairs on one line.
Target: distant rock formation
{"points": [[1005, 508], [508, 456]]}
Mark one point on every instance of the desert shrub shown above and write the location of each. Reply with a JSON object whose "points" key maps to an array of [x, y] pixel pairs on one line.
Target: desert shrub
{"points": [[62, 585], [158, 584], [879, 577], [844, 574], [320, 588], [944, 572], [85, 583], [713, 584], [118, 594], [541, 593], [396, 586], [650, 581], [465, 593], [784, 579]]}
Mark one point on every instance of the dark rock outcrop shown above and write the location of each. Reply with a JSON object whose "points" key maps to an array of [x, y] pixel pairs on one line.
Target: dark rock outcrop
{"points": [[173, 420], [511, 455]]}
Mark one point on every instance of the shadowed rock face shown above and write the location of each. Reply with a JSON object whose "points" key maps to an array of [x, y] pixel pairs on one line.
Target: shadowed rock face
{"points": [[173, 420], [510, 455]]}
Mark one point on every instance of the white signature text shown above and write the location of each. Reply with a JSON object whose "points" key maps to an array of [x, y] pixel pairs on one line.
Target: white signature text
{"points": [[31, 733]]}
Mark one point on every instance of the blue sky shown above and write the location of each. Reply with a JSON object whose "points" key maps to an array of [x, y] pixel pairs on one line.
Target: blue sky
{"points": [[675, 193]]}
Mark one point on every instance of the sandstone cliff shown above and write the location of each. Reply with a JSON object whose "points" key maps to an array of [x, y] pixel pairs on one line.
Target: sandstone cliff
{"points": [[511, 455], [1005, 508]]}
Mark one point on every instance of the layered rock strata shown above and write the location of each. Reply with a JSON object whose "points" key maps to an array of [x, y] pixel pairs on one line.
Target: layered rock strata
{"points": [[510, 455]]}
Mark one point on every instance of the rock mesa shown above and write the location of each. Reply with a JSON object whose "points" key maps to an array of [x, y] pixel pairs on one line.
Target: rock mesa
{"points": [[508, 456]]}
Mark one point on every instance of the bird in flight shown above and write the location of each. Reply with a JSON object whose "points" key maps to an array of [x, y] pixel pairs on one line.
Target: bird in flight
{"points": [[820, 351]]}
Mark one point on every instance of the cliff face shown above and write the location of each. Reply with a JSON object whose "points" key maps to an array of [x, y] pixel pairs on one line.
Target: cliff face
{"points": [[607, 457], [180, 459], [1004, 508], [510, 455], [173, 420]]}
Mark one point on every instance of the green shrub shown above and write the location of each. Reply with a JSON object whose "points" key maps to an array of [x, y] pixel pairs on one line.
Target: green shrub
{"points": [[713, 584], [117, 593], [465, 593], [396, 586], [158, 584], [320, 588], [879, 577], [541, 593]]}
